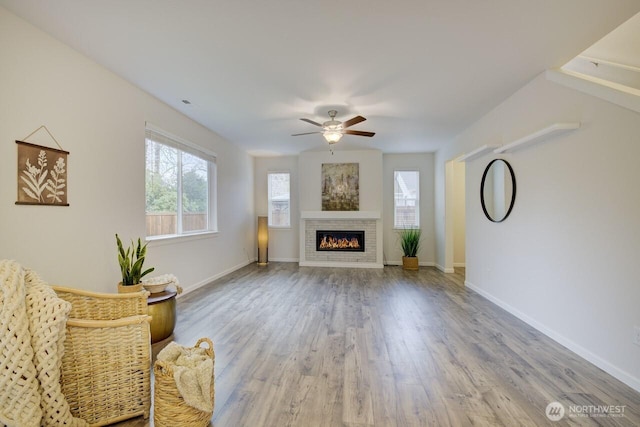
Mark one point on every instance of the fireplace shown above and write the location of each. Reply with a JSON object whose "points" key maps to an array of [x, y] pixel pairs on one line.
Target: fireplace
{"points": [[315, 224], [340, 241]]}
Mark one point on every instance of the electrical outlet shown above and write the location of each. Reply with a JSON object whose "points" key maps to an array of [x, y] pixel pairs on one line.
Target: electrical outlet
{"points": [[636, 335]]}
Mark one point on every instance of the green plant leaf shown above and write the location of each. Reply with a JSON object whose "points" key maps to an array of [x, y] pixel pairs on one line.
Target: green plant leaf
{"points": [[138, 249], [147, 271]]}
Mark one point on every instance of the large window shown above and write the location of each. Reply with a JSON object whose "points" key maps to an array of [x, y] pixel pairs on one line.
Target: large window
{"points": [[406, 200], [180, 186], [279, 199]]}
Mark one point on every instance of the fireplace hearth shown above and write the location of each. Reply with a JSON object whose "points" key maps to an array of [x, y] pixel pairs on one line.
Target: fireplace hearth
{"points": [[340, 240]]}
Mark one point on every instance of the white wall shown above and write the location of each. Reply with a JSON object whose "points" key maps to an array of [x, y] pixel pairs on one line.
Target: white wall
{"points": [[283, 242], [566, 260], [422, 162], [100, 119]]}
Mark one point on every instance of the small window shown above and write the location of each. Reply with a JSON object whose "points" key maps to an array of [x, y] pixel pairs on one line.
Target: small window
{"points": [[406, 201], [279, 199], [179, 187]]}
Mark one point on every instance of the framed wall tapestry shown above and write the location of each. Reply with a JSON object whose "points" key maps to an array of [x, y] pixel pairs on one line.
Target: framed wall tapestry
{"points": [[42, 175], [340, 187]]}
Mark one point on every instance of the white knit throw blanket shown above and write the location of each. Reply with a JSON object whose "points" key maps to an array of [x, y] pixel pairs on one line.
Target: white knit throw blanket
{"points": [[192, 372], [32, 331]]}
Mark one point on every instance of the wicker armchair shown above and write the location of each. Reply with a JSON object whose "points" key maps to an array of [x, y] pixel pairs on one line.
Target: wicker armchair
{"points": [[107, 356]]}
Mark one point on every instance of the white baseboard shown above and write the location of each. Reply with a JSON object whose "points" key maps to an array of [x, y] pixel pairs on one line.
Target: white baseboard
{"points": [[444, 270], [460, 264], [188, 289], [284, 259], [341, 264], [611, 369]]}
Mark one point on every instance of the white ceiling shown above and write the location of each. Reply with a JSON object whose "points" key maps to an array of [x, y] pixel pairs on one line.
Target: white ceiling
{"points": [[420, 71]]}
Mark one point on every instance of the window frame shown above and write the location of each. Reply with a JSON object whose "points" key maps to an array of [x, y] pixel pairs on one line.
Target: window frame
{"points": [[269, 211], [397, 226], [160, 136]]}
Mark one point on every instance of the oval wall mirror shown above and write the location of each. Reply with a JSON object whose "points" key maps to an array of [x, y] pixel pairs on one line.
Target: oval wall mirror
{"points": [[498, 190]]}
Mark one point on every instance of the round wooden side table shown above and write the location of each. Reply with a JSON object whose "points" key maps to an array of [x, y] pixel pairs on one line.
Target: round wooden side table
{"points": [[162, 309]]}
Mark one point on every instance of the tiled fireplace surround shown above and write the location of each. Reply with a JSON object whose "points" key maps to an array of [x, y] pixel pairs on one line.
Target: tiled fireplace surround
{"points": [[370, 222]]}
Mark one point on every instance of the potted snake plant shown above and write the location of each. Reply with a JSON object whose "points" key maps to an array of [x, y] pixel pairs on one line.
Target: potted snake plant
{"points": [[410, 240], [131, 261]]}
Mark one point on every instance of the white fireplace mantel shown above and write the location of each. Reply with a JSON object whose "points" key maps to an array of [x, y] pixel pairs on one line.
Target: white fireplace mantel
{"points": [[339, 215]]}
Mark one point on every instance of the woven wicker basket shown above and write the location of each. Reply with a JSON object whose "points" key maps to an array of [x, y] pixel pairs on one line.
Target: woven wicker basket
{"points": [[106, 367], [97, 306], [169, 408]]}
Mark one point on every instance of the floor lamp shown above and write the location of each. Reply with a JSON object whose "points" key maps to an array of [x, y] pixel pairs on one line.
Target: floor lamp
{"points": [[263, 240]]}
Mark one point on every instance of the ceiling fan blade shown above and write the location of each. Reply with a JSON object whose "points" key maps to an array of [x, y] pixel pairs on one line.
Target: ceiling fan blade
{"points": [[312, 122], [354, 121], [359, 133], [306, 133]]}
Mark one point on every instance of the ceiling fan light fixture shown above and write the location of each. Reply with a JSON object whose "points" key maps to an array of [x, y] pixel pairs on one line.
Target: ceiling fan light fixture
{"points": [[332, 130], [332, 136]]}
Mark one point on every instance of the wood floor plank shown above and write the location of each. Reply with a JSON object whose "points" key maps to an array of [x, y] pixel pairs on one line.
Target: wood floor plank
{"points": [[331, 347], [357, 405]]}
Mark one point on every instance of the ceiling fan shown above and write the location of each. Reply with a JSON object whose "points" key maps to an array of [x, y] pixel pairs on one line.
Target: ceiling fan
{"points": [[333, 129]]}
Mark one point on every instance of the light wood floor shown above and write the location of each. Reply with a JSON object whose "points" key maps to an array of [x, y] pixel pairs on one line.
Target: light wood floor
{"points": [[339, 347]]}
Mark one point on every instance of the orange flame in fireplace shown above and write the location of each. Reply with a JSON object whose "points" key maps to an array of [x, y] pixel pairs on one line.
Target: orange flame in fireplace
{"points": [[330, 242]]}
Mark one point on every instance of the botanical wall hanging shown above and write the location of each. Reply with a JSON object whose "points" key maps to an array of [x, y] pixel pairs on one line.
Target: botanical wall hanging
{"points": [[42, 174], [340, 187]]}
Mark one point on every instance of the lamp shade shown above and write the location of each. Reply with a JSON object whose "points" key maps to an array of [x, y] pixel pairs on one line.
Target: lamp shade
{"points": [[263, 240], [332, 136]]}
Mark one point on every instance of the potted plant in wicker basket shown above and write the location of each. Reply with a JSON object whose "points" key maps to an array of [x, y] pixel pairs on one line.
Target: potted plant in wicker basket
{"points": [[131, 262], [410, 240]]}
